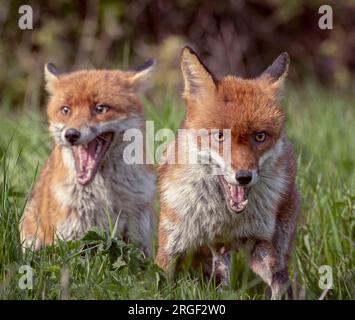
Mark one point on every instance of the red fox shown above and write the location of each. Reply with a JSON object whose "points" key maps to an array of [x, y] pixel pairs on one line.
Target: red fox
{"points": [[253, 203], [86, 182]]}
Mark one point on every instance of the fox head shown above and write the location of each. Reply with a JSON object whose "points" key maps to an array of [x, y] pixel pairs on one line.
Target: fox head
{"points": [[87, 109], [249, 108]]}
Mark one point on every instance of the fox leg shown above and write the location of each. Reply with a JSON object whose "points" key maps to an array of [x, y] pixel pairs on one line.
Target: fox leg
{"points": [[169, 263], [147, 227], [172, 243], [280, 286], [167, 259], [31, 243], [32, 234], [267, 263], [220, 266], [137, 228], [269, 259], [283, 242]]}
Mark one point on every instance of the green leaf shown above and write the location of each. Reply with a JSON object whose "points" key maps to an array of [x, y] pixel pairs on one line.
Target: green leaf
{"points": [[95, 234]]}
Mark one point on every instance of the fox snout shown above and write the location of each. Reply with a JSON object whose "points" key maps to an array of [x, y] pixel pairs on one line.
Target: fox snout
{"points": [[75, 136], [242, 177], [246, 178], [72, 135]]}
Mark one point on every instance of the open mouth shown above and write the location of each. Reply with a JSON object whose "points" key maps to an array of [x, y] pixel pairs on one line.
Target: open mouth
{"points": [[236, 196], [88, 157]]}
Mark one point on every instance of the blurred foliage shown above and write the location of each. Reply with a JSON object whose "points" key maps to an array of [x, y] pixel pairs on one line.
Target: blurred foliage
{"points": [[240, 37]]}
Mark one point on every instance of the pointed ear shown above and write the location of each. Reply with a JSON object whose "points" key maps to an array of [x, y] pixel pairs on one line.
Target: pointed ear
{"points": [[142, 75], [199, 82], [51, 74], [277, 71]]}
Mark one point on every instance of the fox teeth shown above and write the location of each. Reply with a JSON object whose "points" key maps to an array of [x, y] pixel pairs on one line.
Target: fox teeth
{"points": [[243, 203], [238, 206], [98, 148]]}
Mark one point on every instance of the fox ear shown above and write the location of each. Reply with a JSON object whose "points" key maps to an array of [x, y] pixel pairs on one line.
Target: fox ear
{"points": [[278, 70], [51, 74], [142, 75], [197, 78]]}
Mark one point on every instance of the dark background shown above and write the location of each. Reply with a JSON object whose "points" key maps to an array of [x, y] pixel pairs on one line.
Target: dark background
{"points": [[239, 37]]}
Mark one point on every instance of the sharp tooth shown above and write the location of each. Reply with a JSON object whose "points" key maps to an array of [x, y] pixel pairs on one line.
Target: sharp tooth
{"points": [[98, 148]]}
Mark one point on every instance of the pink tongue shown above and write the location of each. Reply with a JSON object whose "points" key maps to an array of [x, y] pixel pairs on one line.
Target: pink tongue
{"points": [[85, 160], [238, 193]]}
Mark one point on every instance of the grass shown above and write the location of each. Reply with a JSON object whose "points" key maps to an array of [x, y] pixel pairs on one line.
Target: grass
{"points": [[320, 124]]}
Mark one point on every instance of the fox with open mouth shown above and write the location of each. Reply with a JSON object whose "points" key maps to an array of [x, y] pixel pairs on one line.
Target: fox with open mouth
{"points": [[86, 181], [253, 202]]}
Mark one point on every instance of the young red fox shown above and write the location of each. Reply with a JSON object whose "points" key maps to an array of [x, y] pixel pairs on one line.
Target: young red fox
{"points": [[85, 182], [253, 202]]}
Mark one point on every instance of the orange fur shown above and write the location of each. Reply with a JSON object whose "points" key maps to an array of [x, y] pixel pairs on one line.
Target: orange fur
{"points": [[55, 203], [246, 107]]}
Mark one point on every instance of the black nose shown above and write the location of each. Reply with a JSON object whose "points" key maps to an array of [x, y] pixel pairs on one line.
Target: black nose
{"points": [[244, 177], [72, 135]]}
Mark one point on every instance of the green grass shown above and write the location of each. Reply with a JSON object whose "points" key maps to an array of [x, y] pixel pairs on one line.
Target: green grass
{"points": [[320, 124]]}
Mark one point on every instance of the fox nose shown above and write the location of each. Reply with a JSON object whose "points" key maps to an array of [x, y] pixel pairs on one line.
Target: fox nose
{"points": [[72, 135], [243, 177]]}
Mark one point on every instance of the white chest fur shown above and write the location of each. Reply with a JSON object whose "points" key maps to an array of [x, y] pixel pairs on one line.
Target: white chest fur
{"points": [[119, 192]]}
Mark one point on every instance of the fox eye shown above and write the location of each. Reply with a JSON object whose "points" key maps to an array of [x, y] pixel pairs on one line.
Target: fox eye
{"points": [[260, 136], [101, 108], [65, 110], [219, 136]]}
